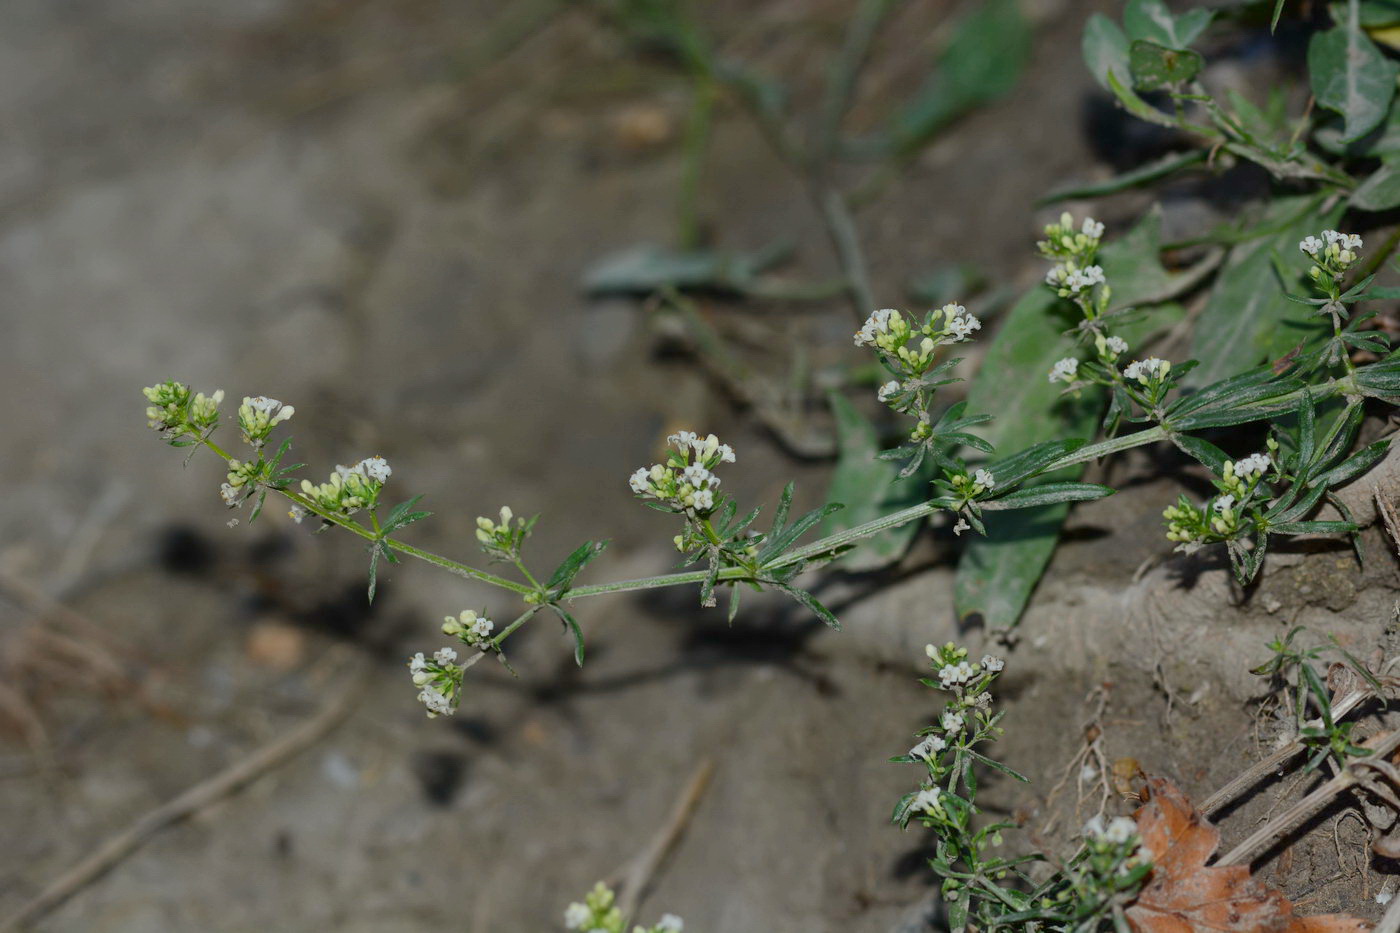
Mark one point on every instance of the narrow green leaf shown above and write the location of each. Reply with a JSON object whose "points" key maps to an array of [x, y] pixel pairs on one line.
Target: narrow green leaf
{"points": [[572, 625], [564, 574], [1049, 494]]}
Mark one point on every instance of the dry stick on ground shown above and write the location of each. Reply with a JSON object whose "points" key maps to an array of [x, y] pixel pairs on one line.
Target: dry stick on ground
{"points": [[207, 792], [1264, 768], [637, 875], [1350, 777]]}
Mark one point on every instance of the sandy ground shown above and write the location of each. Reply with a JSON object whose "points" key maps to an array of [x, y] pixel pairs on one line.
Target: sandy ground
{"points": [[381, 213]]}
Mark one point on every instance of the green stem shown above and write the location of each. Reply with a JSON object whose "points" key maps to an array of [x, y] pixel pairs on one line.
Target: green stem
{"points": [[820, 548]]}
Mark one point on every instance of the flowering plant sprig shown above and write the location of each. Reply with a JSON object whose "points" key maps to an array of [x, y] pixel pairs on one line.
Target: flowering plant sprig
{"points": [[598, 913], [729, 552], [1333, 255], [982, 889]]}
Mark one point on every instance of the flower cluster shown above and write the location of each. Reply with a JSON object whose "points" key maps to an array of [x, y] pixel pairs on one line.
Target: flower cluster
{"points": [[686, 481], [503, 539], [243, 476], [598, 913], [1241, 485], [964, 720], [1075, 274], [439, 679], [1332, 255], [258, 415], [174, 412], [1113, 854], [350, 489], [909, 349], [473, 628]]}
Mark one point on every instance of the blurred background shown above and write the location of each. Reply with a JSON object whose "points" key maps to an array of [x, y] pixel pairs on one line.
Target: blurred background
{"points": [[438, 228]]}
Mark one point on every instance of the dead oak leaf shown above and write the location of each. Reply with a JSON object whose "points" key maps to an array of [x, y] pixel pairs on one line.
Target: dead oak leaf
{"points": [[1184, 895]]}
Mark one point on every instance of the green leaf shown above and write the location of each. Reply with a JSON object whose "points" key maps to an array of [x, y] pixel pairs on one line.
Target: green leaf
{"points": [[1247, 317], [1168, 164], [1105, 49], [564, 574], [572, 625], [982, 63], [869, 488], [1381, 189], [1048, 494], [1156, 66], [812, 603], [1152, 21], [648, 268], [1351, 76]]}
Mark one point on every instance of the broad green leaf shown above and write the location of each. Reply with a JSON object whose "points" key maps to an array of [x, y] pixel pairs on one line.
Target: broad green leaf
{"points": [[1375, 14], [1247, 315], [1381, 189], [1351, 76], [982, 63], [868, 488], [1155, 66], [1152, 21], [1105, 49], [997, 574]]}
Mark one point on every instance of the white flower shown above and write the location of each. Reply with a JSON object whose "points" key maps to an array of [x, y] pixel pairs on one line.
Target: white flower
{"points": [[577, 915], [1120, 830], [1342, 240], [682, 439], [638, 480], [1117, 345], [954, 674], [1065, 370], [704, 499], [1224, 503], [961, 526], [1094, 827], [928, 747], [670, 923], [1082, 279], [436, 701], [445, 655], [232, 495], [888, 390], [992, 663], [1145, 371], [297, 513], [697, 476], [878, 323], [1254, 464], [1310, 245], [376, 468], [1092, 228], [726, 455], [417, 664], [952, 721], [984, 479], [926, 800], [958, 323]]}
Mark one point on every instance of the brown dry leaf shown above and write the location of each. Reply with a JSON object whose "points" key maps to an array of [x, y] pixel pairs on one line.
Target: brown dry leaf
{"points": [[1184, 895]]}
